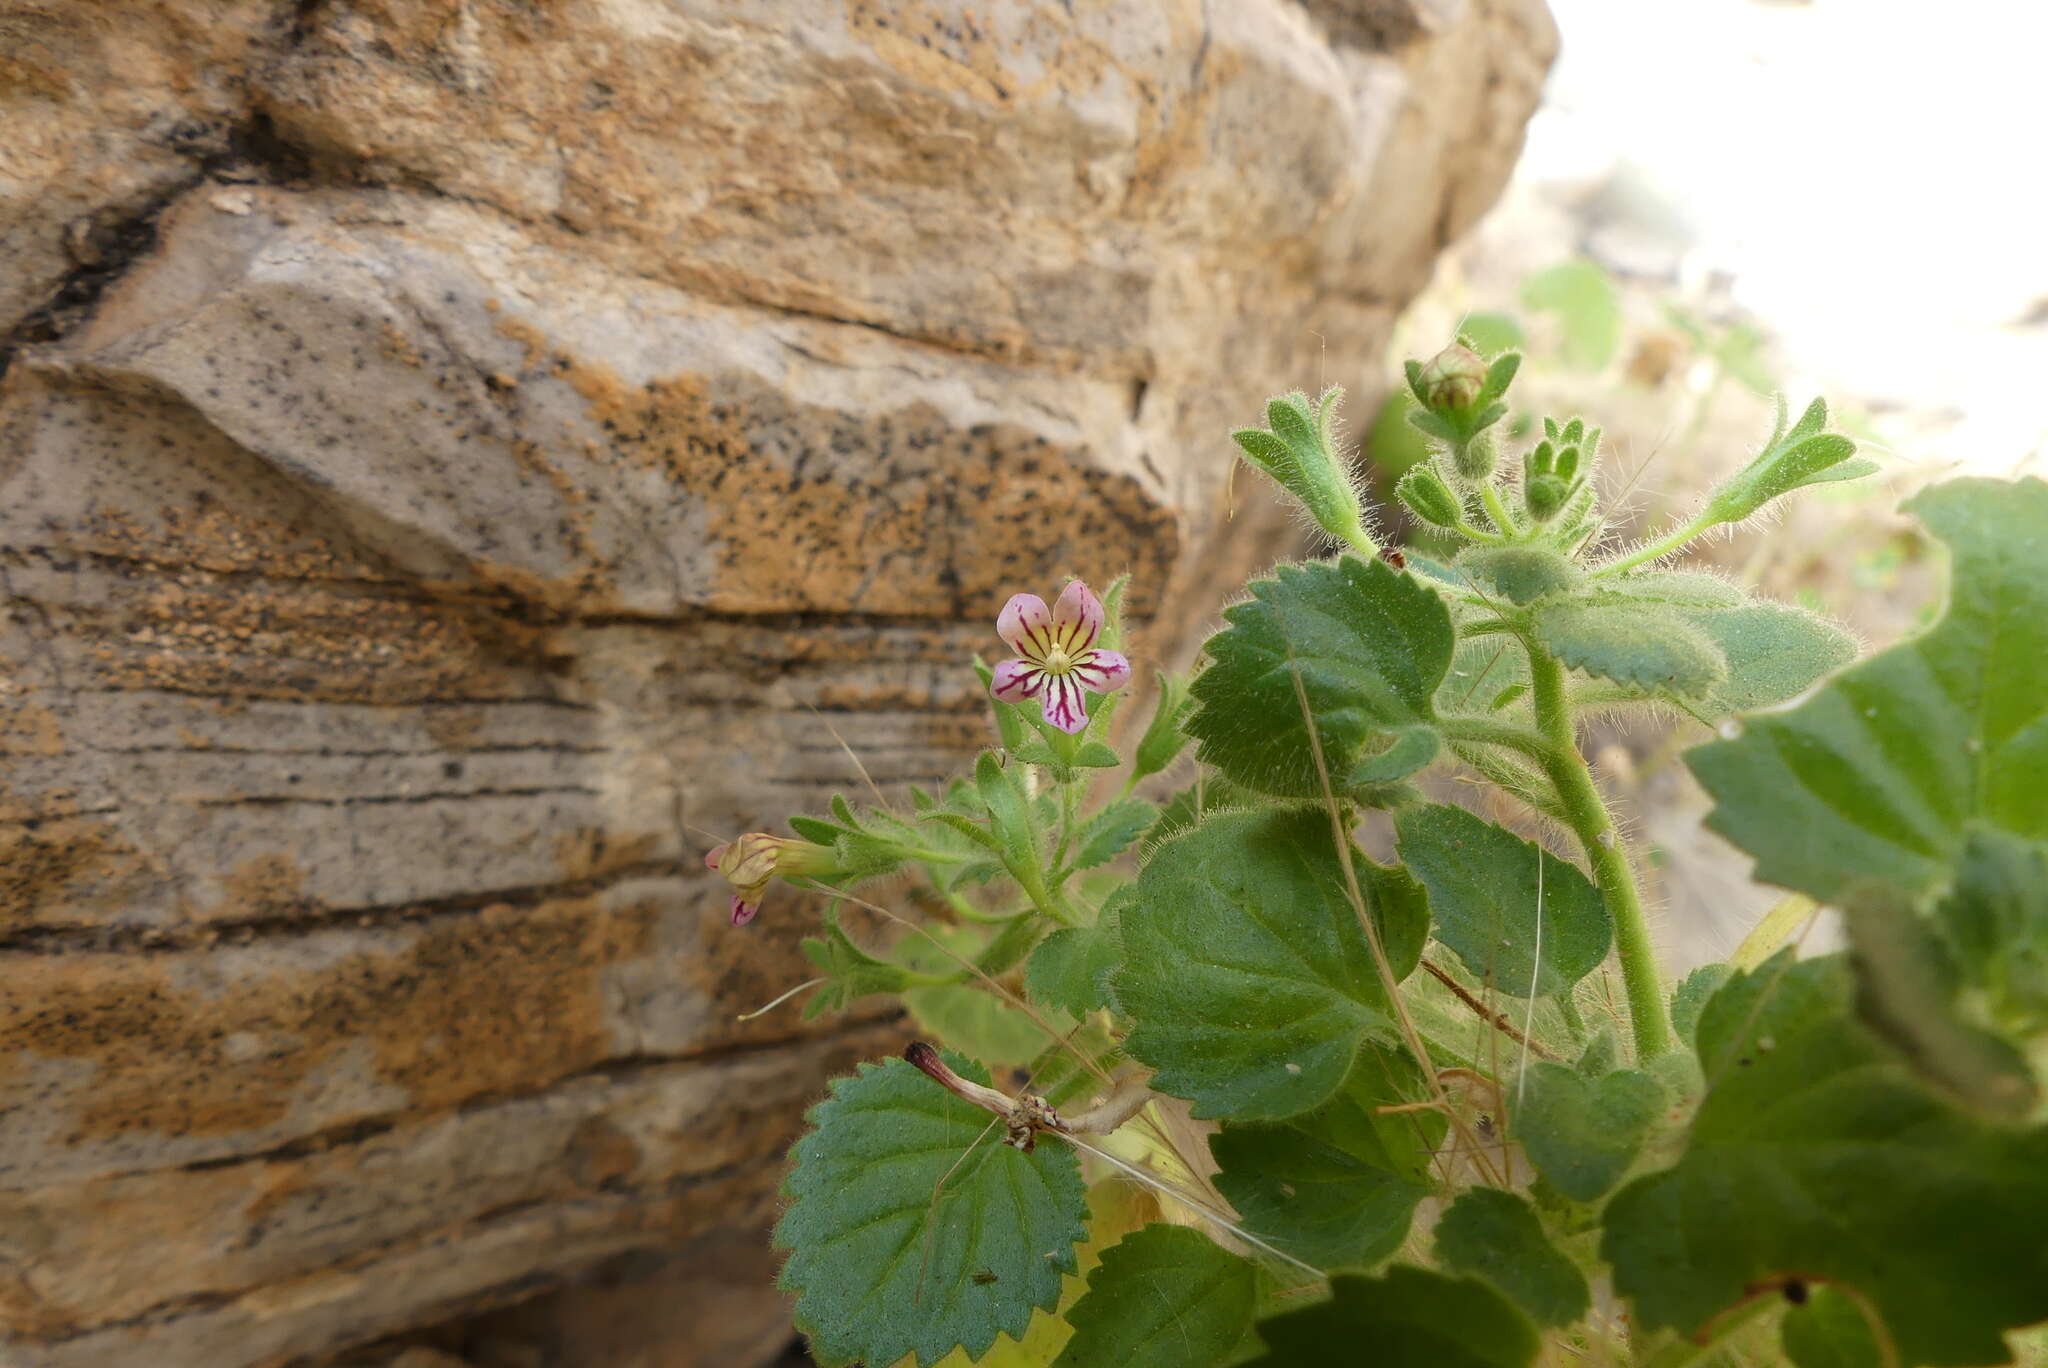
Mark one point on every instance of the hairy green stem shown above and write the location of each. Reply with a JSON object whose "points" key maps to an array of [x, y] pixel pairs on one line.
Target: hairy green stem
{"points": [[1535, 745], [1586, 813], [1663, 546], [1497, 510]]}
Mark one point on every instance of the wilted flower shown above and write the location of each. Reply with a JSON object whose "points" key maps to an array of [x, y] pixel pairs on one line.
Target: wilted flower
{"points": [[748, 863], [1059, 661]]}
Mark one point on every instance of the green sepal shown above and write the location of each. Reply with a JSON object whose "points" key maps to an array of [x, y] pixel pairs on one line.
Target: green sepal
{"points": [[1165, 736], [1802, 456], [1423, 492], [1009, 718], [849, 971]]}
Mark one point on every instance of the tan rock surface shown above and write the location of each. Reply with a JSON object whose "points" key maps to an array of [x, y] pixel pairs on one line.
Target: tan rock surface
{"points": [[498, 444]]}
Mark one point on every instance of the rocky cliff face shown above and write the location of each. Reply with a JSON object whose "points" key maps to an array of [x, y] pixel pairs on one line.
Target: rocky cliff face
{"points": [[458, 458]]}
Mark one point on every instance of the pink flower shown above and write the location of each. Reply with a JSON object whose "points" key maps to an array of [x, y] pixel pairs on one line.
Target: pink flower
{"points": [[1059, 663], [750, 861]]}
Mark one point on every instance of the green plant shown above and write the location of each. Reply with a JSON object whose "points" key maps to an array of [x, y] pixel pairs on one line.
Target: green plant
{"points": [[1398, 1113]]}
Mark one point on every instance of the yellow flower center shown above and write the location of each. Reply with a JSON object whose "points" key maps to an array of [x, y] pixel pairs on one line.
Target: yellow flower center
{"points": [[1057, 661]]}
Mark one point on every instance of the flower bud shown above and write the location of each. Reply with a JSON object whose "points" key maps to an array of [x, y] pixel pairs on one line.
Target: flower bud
{"points": [[1545, 495], [1426, 495], [749, 862], [1452, 379], [1474, 458]]}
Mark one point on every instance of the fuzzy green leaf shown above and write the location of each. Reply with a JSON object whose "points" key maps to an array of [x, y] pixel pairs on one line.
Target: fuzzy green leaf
{"points": [[1882, 773], [1641, 646], [1245, 966], [1105, 835], [1336, 1186], [1495, 1235], [861, 1216], [1070, 969], [1774, 652], [1691, 996], [1815, 1157], [850, 972], [1370, 645], [1521, 574], [1406, 1318], [1582, 1133], [1483, 887], [1674, 588], [1164, 1297]]}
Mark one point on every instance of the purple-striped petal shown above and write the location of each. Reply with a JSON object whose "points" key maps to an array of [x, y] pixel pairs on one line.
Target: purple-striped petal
{"points": [[1026, 626], [1076, 618], [742, 910], [1102, 670], [1066, 707], [1016, 680]]}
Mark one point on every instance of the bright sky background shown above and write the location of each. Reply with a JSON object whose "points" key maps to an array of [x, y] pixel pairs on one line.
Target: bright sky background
{"points": [[1871, 172]]}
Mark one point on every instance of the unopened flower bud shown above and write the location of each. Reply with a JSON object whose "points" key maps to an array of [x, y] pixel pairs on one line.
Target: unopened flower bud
{"points": [[1545, 495], [1452, 379], [751, 861], [1474, 458], [1425, 494]]}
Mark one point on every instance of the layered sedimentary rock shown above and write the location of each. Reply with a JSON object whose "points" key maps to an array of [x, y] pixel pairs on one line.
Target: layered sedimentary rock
{"points": [[459, 458]]}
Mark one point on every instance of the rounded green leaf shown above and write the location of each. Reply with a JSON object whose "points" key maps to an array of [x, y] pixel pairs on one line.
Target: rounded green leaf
{"points": [[1369, 645], [878, 1269], [1164, 1297], [1494, 1234], [1246, 968], [1880, 774], [1408, 1318], [1336, 1186], [1484, 887]]}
